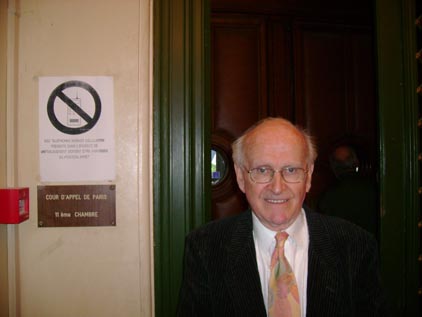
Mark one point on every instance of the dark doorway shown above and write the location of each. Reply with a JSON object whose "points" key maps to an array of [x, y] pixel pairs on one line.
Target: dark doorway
{"points": [[312, 63]]}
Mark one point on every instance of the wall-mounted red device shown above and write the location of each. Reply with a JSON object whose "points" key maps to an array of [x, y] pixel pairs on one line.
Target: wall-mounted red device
{"points": [[14, 205]]}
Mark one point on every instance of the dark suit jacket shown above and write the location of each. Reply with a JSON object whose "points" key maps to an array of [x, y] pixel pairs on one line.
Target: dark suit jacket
{"points": [[221, 275]]}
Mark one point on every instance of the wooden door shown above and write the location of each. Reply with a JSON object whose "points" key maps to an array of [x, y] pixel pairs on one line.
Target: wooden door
{"points": [[314, 70], [335, 94], [239, 96]]}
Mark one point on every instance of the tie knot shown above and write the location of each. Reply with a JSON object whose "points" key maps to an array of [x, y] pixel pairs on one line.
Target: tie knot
{"points": [[281, 237]]}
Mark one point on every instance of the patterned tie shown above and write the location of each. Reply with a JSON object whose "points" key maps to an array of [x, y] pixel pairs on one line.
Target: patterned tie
{"points": [[283, 295]]}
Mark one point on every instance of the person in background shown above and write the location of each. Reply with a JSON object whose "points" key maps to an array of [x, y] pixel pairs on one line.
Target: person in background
{"points": [[354, 195], [278, 258]]}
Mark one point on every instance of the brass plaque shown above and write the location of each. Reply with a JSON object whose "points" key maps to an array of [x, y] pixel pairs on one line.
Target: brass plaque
{"points": [[77, 206]]}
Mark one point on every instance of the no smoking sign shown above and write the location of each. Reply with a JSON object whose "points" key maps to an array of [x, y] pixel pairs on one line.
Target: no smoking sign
{"points": [[74, 107], [76, 129]]}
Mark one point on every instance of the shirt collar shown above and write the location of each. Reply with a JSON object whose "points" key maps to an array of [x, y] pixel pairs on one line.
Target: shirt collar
{"points": [[265, 237]]}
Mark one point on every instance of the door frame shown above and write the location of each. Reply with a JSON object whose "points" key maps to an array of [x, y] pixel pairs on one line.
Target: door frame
{"points": [[181, 143], [399, 144], [181, 137]]}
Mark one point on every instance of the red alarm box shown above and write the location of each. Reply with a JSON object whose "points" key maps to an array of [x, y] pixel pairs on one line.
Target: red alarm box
{"points": [[14, 205]]}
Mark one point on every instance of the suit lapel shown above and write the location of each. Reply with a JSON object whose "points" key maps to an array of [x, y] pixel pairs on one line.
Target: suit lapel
{"points": [[242, 277], [324, 270]]}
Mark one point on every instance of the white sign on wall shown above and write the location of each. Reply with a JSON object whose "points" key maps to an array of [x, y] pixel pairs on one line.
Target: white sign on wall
{"points": [[76, 129]]}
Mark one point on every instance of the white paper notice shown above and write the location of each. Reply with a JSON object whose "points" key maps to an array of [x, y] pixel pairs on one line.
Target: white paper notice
{"points": [[76, 129]]}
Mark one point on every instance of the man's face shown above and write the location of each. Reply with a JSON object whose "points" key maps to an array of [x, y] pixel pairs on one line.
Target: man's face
{"points": [[276, 145]]}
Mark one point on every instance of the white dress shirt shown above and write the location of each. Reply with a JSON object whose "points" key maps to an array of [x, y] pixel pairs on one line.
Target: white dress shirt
{"points": [[296, 251]]}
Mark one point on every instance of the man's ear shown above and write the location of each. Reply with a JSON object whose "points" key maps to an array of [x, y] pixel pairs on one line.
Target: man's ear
{"points": [[240, 177], [309, 177]]}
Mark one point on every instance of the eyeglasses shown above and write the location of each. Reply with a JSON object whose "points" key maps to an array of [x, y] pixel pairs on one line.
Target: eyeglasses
{"points": [[265, 174]]}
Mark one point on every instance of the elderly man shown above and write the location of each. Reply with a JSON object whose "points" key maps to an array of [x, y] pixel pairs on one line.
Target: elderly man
{"points": [[279, 258]]}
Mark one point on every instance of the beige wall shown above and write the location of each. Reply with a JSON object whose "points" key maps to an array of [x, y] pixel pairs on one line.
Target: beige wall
{"points": [[3, 48], [4, 284], [96, 271]]}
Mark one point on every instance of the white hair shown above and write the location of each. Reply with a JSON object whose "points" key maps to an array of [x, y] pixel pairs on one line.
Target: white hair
{"points": [[238, 146]]}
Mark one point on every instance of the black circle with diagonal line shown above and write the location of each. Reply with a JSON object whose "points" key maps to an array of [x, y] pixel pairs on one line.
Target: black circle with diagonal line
{"points": [[58, 93]]}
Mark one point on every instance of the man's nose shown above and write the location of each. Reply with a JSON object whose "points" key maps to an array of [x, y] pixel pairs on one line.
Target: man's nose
{"points": [[278, 184]]}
